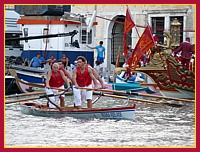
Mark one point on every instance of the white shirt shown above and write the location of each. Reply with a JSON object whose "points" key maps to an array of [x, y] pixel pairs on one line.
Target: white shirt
{"points": [[98, 67]]}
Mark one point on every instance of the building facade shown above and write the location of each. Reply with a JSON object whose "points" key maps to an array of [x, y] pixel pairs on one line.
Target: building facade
{"points": [[111, 19], [110, 28]]}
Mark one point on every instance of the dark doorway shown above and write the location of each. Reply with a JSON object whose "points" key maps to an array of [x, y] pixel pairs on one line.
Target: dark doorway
{"points": [[117, 39]]}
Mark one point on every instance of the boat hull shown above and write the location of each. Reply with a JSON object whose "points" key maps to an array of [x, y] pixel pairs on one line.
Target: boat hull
{"points": [[30, 77], [154, 86], [10, 85], [117, 113]]}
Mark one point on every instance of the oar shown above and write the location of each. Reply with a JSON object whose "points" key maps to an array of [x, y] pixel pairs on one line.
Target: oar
{"points": [[65, 91], [25, 99], [25, 94], [136, 93], [33, 98], [47, 96], [142, 100], [37, 85], [98, 97], [60, 89], [35, 93]]}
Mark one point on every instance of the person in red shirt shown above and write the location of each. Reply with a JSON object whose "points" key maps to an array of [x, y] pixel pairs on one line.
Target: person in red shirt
{"points": [[55, 79], [66, 72], [82, 77], [186, 54]]}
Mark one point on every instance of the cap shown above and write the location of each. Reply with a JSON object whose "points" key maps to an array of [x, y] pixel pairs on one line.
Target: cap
{"points": [[187, 39], [75, 61]]}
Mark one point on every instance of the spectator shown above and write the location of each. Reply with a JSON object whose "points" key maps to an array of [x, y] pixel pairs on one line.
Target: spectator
{"points": [[65, 60], [73, 66], [186, 54], [99, 68], [37, 61], [51, 60], [100, 51]]}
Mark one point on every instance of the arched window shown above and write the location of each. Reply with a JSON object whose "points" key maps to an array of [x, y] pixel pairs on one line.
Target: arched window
{"points": [[117, 39]]}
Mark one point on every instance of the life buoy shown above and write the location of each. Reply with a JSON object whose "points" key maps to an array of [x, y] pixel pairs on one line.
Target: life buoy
{"points": [[19, 60], [11, 59]]}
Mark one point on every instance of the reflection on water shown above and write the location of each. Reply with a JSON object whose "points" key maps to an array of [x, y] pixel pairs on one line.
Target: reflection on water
{"points": [[154, 125]]}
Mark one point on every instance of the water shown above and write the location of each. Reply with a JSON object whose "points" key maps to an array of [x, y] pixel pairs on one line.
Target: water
{"points": [[154, 126]]}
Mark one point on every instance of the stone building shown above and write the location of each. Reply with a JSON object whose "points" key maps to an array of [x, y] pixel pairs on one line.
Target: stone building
{"points": [[111, 19], [110, 26]]}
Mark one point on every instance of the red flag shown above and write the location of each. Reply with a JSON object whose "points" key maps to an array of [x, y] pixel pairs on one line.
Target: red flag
{"points": [[145, 42], [128, 25]]}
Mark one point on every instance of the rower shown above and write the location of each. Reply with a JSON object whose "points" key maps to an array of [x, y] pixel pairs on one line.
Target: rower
{"points": [[55, 81], [82, 77]]}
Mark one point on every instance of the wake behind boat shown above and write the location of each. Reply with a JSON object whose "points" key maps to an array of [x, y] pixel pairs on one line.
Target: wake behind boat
{"points": [[117, 113]]}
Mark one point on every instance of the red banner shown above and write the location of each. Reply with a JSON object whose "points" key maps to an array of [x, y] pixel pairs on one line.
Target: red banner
{"points": [[128, 25], [145, 42]]}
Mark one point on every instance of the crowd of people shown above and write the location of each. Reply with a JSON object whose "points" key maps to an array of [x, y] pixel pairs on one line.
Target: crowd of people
{"points": [[38, 61]]}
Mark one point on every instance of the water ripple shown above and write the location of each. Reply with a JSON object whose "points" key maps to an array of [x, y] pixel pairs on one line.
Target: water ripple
{"points": [[154, 125]]}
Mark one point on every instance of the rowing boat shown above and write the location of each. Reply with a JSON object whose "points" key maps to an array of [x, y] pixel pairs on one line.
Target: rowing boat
{"points": [[117, 113]]}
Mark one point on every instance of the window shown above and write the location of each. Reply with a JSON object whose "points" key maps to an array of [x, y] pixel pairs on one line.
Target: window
{"points": [[158, 27], [45, 32], [26, 33], [86, 37], [15, 43]]}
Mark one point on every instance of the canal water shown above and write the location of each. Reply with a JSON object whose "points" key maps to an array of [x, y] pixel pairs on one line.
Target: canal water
{"points": [[155, 125]]}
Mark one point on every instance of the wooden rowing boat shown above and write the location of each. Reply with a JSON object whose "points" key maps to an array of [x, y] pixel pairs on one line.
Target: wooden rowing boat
{"points": [[117, 113]]}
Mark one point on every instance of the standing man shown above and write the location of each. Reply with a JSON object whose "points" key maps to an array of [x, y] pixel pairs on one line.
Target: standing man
{"points": [[186, 54], [37, 61], [100, 51], [82, 77], [56, 79]]}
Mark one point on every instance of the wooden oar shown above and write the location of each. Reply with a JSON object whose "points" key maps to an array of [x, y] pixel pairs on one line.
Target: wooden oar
{"points": [[59, 97], [47, 96], [136, 93], [54, 88], [142, 100], [33, 98], [35, 84], [25, 94], [25, 99], [98, 97], [34, 93]]}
